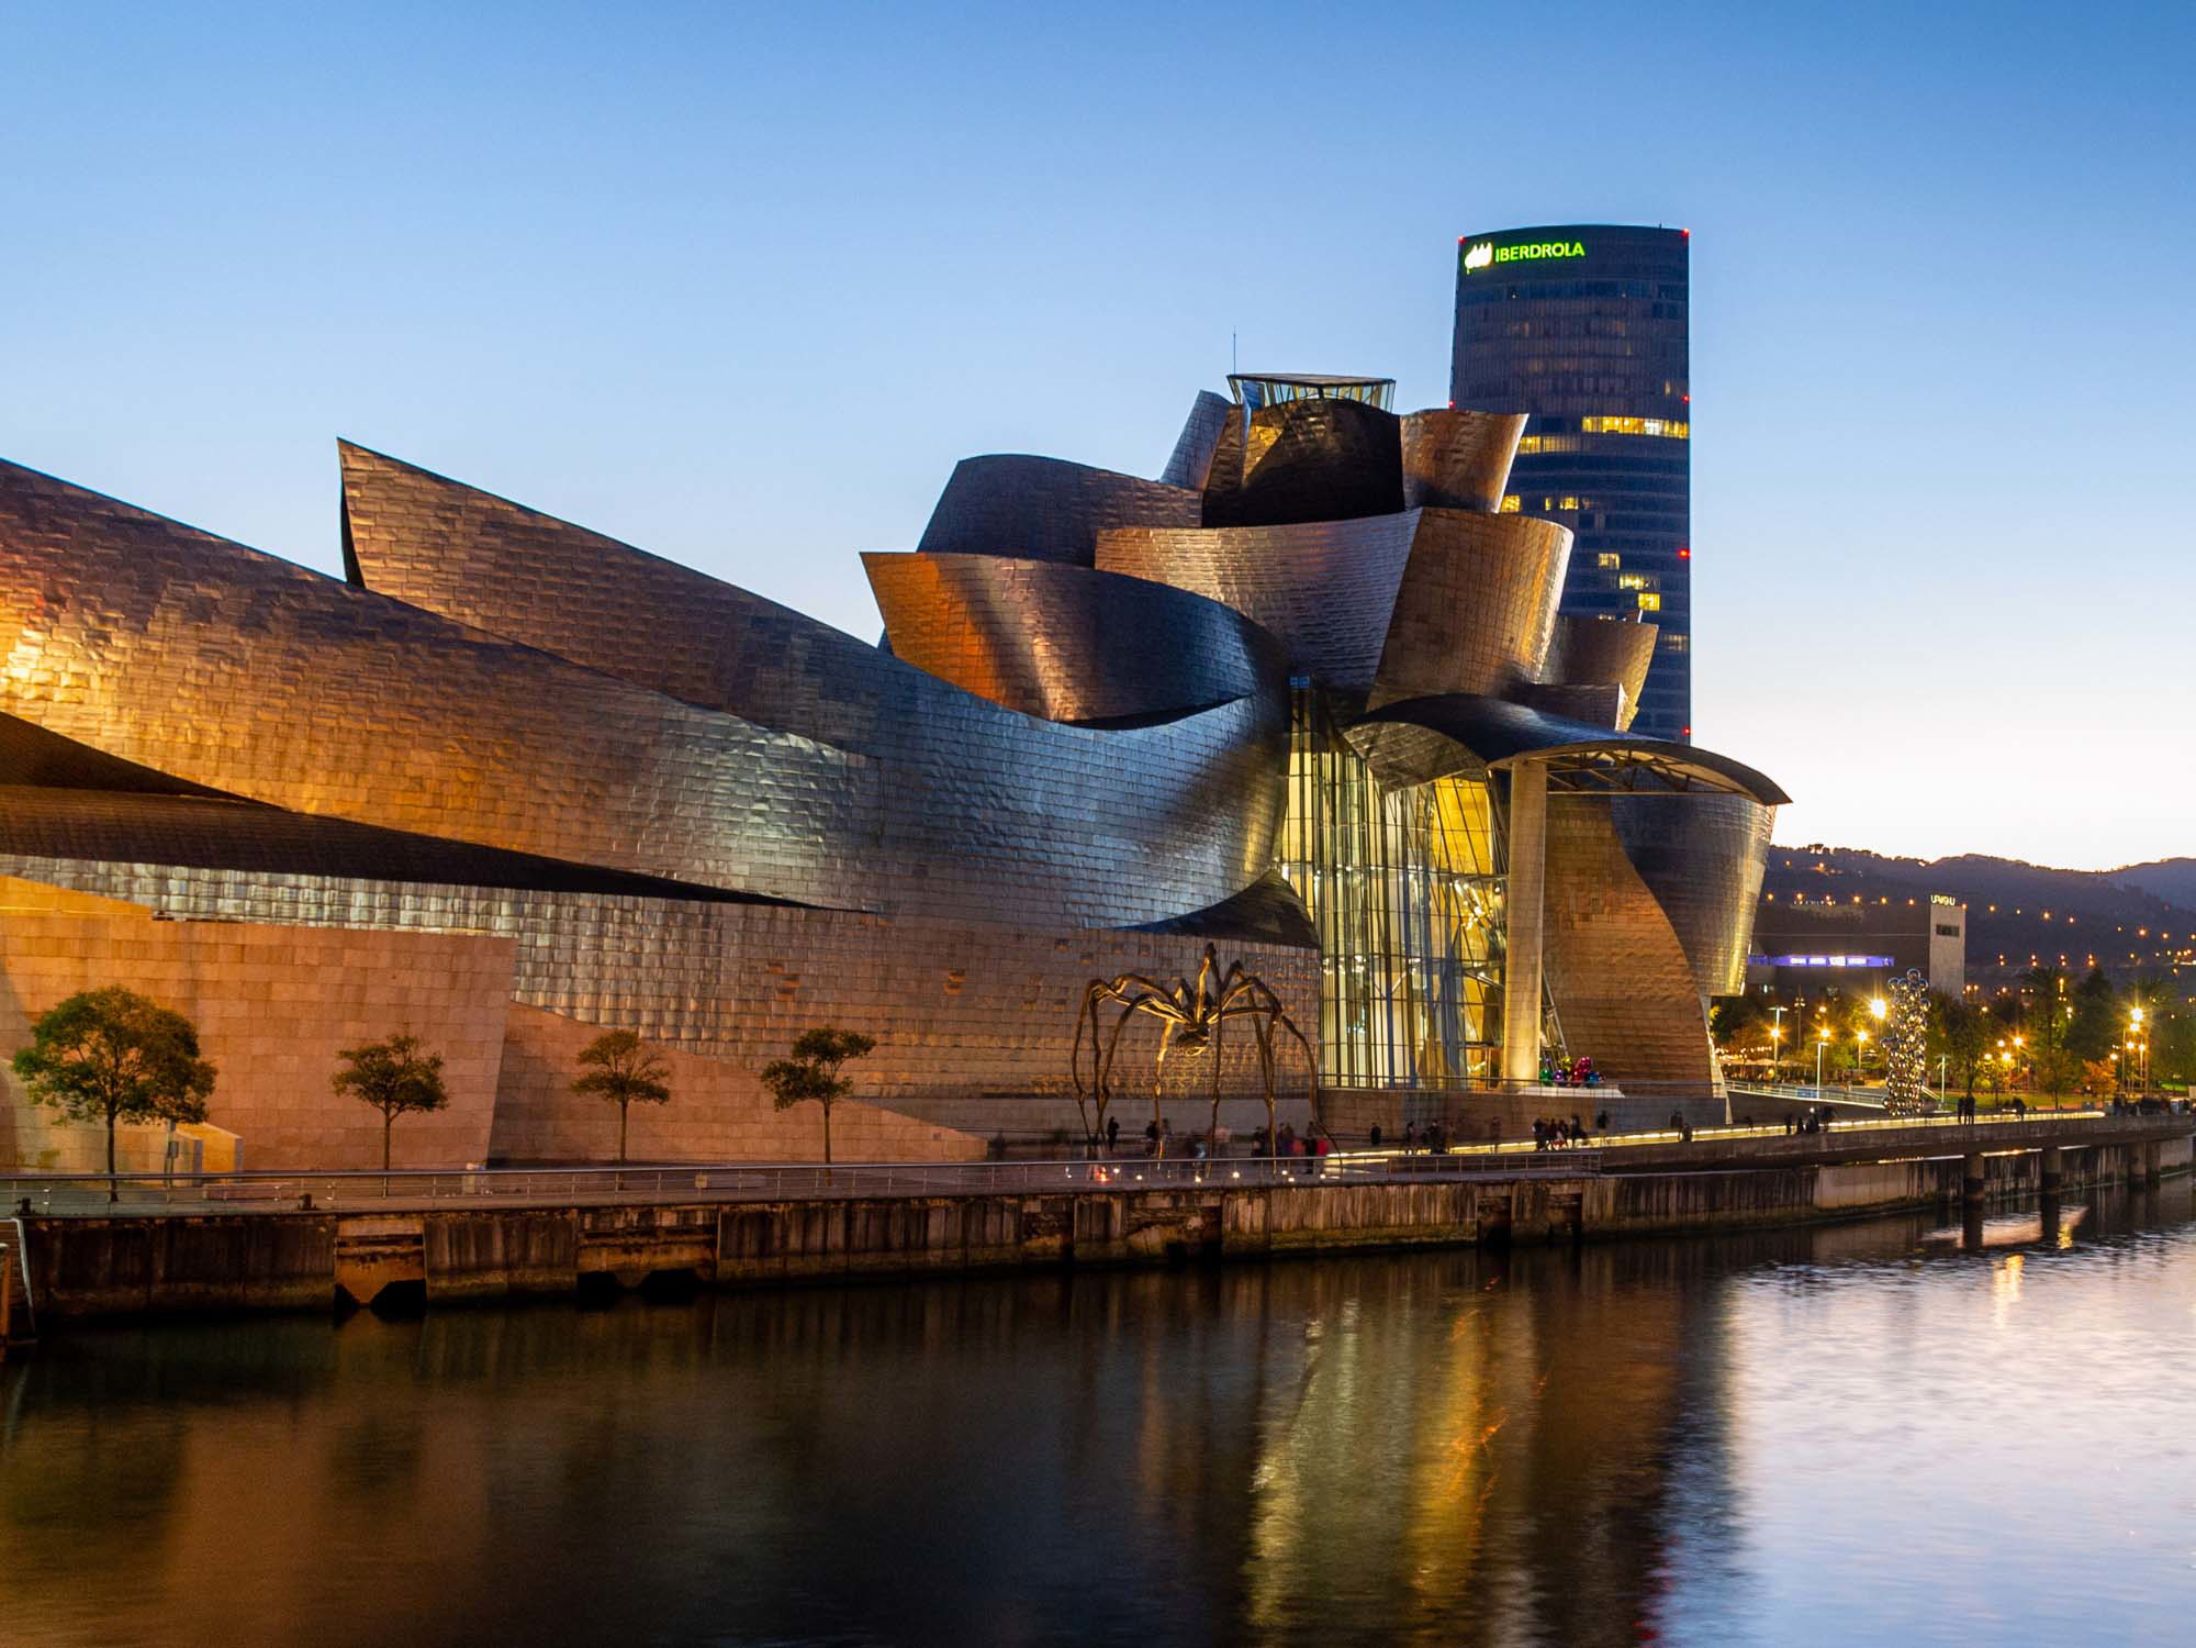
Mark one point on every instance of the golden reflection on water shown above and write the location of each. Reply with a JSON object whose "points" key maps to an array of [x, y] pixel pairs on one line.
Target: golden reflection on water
{"points": [[1582, 1447]]}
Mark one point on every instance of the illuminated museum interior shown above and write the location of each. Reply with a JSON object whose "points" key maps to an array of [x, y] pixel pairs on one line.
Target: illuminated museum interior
{"points": [[1306, 696]]}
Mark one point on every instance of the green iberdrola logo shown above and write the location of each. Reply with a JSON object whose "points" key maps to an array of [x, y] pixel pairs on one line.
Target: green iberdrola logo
{"points": [[1485, 254]]}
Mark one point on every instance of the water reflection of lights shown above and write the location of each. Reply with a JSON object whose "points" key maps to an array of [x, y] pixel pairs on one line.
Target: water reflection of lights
{"points": [[2005, 1283]]}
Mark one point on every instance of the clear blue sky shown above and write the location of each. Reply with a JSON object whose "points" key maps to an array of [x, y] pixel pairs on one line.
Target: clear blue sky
{"points": [[739, 284]]}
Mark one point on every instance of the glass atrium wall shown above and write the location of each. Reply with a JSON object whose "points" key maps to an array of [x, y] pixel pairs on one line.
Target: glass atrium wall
{"points": [[1254, 390], [1404, 889]]}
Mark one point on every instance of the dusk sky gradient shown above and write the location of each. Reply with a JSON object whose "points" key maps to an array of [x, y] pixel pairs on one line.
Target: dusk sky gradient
{"points": [[740, 284]]}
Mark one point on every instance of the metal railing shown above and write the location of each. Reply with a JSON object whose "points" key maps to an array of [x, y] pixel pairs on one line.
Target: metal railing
{"points": [[94, 1194], [88, 1194], [1872, 1098]]}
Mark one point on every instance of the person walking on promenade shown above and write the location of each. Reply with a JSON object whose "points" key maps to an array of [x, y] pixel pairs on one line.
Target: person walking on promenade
{"points": [[1113, 1135]]}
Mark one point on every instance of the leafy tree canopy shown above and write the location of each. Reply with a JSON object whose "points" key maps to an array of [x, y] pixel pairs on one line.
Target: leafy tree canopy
{"points": [[112, 1055], [394, 1076], [617, 1065]]}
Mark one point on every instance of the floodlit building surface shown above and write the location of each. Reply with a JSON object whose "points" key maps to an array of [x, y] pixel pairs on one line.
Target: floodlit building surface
{"points": [[1307, 697], [1824, 947], [1585, 327]]}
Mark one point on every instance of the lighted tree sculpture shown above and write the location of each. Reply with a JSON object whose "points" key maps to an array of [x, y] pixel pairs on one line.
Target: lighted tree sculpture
{"points": [[1192, 1019], [1906, 1044]]}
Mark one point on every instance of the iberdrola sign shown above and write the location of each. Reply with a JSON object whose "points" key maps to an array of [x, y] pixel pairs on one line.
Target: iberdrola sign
{"points": [[1485, 254]]}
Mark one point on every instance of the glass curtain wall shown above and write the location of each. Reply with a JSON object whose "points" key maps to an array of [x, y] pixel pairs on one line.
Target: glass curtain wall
{"points": [[1404, 888]]}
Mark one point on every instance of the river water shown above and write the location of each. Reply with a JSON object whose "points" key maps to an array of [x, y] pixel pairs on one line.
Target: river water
{"points": [[1851, 1434]]}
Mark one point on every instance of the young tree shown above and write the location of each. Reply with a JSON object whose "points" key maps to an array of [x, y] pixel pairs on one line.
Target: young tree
{"points": [[813, 1072], [620, 1067], [2094, 1029], [112, 1055], [1963, 1033], [394, 1076]]}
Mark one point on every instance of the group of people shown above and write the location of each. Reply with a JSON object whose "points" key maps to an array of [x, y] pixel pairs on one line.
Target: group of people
{"points": [[1554, 1133], [1813, 1120], [1161, 1141], [1433, 1140]]}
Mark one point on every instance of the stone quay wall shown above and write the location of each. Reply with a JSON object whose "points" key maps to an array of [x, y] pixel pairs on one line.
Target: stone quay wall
{"points": [[140, 1265]]}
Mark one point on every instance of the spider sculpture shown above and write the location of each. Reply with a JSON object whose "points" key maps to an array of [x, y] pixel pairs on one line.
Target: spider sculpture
{"points": [[1191, 1019]]}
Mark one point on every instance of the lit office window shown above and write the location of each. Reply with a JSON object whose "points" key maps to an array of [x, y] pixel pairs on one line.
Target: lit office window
{"points": [[1669, 428]]}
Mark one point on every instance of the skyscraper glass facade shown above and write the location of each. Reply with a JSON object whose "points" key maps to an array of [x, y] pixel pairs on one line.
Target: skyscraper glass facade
{"points": [[1585, 328]]}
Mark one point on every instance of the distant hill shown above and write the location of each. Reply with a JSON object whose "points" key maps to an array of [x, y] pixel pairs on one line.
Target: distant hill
{"points": [[2172, 879], [2134, 920]]}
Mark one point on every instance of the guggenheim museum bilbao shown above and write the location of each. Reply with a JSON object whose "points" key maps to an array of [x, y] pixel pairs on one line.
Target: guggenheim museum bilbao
{"points": [[1306, 698]]}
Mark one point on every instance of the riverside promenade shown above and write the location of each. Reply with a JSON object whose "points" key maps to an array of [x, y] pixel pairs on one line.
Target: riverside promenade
{"points": [[298, 1241]]}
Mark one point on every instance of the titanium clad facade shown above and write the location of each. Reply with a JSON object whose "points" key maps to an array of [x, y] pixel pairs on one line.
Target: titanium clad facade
{"points": [[1067, 643], [256, 678], [1044, 509], [1272, 702], [1585, 327]]}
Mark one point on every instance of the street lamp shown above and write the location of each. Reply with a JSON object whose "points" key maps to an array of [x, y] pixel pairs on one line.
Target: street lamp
{"points": [[1860, 1055], [1822, 1045], [1879, 1009]]}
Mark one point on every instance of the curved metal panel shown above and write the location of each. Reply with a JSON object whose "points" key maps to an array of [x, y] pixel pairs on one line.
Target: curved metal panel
{"points": [[1191, 461], [1596, 706], [1703, 857], [1458, 460], [1625, 991], [40, 822], [1477, 606], [177, 651], [1045, 509], [1308, 460], [31, 755], [1266, 912], [1325, 589], [1593, 651], [1066, 642], [1489, 733]]}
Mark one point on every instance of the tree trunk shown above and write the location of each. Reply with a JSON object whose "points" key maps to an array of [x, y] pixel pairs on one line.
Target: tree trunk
{"points": [[388, 1123], [623, 1107], [827, 1132], [114, 1191]]}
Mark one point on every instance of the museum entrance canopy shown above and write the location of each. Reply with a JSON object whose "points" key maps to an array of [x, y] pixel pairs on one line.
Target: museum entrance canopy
{"points": [[1420, 739]]}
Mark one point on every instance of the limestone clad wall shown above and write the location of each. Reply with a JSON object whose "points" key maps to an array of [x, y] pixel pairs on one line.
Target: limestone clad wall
{"points": [[273, 1006], [718, 1112]]}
